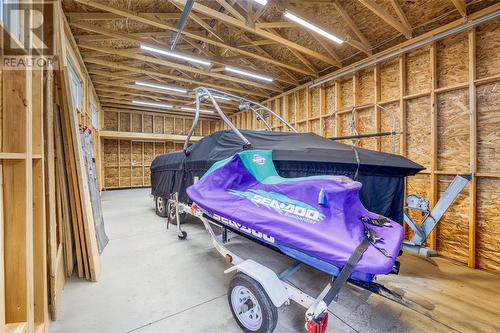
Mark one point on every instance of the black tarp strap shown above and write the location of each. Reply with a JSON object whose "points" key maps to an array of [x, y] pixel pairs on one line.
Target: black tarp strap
{"points": [[346, 271]]}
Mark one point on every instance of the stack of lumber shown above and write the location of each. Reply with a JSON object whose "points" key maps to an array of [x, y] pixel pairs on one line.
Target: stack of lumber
{"points": [[74, 205]]}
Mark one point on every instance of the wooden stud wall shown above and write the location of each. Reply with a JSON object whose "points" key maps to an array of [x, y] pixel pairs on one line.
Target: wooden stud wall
{"points": [[444, 98], [126, 162]]}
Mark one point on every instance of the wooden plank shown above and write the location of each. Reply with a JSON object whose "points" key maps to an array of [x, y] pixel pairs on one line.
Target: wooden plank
{"points": [[434, 140], [473, 148], [384, 15], [2, 242]]}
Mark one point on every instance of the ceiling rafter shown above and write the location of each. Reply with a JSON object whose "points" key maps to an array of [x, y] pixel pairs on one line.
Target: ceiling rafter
{"points": [[382, 13], [127, 37], [461, 6], [354, 27], [156, 23], [401, 14], [137, 69], [260, 32]]}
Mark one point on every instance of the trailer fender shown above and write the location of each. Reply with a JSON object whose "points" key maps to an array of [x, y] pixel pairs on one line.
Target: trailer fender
{"points": [[266, 277]]}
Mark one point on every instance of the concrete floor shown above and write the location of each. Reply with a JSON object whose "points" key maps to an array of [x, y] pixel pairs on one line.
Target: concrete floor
{"points": [[152, 282]]}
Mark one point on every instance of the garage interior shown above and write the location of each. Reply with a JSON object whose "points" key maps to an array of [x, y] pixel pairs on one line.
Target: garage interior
{"points": [[82, 247]]}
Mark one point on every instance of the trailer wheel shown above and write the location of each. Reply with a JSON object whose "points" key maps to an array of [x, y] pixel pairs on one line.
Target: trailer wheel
{"points": [[250, 305], [161, 206], [171, 214]]}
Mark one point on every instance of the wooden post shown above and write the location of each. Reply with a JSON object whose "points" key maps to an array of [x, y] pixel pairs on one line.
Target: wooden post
{"points": [[376, 95], [473, 148], [322, 108], [434, 155], [337, 108]]}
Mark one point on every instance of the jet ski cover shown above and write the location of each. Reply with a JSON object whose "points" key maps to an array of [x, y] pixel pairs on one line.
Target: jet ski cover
{"points": [[318, 220]]}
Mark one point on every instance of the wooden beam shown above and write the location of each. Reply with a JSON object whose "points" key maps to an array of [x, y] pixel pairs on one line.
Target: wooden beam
{"points": [[145, 136], [160, 24], [137, 69], [260, 32], [473, 149], [382, 13], [348, 20], [105, 16], [401, 14], [130, 54], [231, 10], [279, 25], [460, 5]]}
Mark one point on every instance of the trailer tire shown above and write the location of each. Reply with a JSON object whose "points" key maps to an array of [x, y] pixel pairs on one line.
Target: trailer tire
{"points": [[161, 206], [248, 294]]}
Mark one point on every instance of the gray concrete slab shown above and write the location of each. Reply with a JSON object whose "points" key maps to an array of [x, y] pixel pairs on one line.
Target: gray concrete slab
{"points": [[153, 282]]}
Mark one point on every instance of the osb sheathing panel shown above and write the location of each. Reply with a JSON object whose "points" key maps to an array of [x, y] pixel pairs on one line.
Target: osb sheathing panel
{"points": [[488, 229], [137, 153], [158, 125], [290, 117], [315, 128], [488, 131], [344, 128], [169, 147], [125, 180], [302, 105], [453, 131], [452, 60], [111, 177], [125, 151], [419, 184], [389, 80], [453, 228], [137, 176], [148, 123], [418, 71], [346, 98], [418, 137], [315, 107], [389, 121], [159, 148], [110, 152], [148, 153], [136, 122], [179, 126], [169, 125], [330, 99], [301, 127], [110, 121], [488, 49], [365, 124], [124, 121], [366, 92], [329, 126], [206, 127]]}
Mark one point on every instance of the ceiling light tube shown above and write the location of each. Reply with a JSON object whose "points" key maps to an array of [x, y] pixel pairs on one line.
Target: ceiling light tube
{"points": [[176, 55], [243, 72], [261, 2], [156, 105], [185, 108], [160, 86], [312, 27]]}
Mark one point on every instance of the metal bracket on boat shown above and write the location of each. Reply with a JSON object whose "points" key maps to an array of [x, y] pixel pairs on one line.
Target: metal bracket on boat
{"points": [[371, 236]]}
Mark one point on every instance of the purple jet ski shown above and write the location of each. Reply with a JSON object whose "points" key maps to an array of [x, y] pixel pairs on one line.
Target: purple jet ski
{"points": [[317, 220]]}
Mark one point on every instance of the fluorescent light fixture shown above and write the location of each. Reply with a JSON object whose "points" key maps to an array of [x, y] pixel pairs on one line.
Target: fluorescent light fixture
{"points": [[242, 72], [312, 27], [185, 108], [261, 2], [176, 55], [160, 86], [155, 105]]}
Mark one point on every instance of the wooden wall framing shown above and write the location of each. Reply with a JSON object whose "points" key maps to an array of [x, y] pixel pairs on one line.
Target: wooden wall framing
{"points": [[445, 100], [132, 139]]}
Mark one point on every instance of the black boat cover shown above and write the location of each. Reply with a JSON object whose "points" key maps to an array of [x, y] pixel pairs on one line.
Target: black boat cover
{"points": [[294, 155]]}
